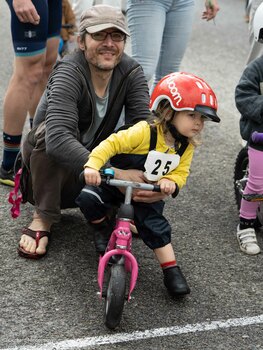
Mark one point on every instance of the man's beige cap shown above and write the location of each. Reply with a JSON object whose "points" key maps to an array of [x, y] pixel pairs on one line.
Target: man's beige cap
{"points": [[100, 17]]}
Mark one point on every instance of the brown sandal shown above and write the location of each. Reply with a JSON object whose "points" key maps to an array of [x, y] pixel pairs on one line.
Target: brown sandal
{"points": [[37, 235]]}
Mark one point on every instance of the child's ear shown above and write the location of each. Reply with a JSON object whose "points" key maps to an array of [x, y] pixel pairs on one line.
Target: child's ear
{"points": [[169, 117]]}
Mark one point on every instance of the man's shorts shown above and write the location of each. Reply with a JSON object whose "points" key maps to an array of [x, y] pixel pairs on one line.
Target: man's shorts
{"points": [[29, 39]]}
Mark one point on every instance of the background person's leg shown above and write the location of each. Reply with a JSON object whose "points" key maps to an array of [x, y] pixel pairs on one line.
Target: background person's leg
{"points": [[29, 45], [25, 78], [54, 20], [177, 31], [146, 20]]}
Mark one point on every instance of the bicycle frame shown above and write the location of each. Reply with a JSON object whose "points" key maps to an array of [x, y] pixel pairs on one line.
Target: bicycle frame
{"points": [[121, 238]]}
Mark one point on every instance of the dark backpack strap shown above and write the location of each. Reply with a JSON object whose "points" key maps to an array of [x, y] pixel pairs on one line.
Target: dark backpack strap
{"points": [[153, 141], [124, 127], [182, 148], [153, 138]]}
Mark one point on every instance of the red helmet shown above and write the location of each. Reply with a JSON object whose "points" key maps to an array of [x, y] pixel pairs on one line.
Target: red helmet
{"points": [[186, 91]]}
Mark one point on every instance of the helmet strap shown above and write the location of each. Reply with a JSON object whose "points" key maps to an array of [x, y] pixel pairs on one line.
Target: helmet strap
{"points": [[178, 138]]}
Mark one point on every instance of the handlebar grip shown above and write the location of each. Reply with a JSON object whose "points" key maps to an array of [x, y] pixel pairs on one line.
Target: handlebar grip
{"points": [[156, 188], [105, 178], [175, 194], [257, 137], [106, 174]]}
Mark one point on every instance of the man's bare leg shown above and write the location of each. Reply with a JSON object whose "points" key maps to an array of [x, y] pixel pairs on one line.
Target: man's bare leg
{"points": [[26, 75]]}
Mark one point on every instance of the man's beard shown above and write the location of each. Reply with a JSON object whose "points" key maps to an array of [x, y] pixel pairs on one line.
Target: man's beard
{"points": [[103, 66]]}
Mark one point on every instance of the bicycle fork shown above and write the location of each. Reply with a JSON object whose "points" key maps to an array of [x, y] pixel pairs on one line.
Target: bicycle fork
{"points": [[122, 248]]}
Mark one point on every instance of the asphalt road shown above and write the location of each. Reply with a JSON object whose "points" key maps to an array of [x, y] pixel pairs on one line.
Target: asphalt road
{"points": [[53, 303]]}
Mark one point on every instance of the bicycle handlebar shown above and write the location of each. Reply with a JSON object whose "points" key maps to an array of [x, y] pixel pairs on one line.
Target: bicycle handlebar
{"points": [[257, 137], [123, 183], [106, 178], [132, 184]]}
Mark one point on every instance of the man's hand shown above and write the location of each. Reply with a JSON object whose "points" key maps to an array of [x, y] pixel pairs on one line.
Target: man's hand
{"points": [[211, 10], [138, 195], [92, 176], [129, 175], [26, 11], [148, 196]]}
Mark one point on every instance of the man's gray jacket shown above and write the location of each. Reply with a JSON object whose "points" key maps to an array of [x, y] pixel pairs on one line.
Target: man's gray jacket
{"points": [[68, 107]]}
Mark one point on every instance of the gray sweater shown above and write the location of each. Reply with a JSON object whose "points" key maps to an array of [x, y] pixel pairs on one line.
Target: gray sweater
{"points": [[68, 107], [249, 99]]}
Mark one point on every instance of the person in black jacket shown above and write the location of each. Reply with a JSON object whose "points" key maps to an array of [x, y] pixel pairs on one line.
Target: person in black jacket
{"points": [[249, 102], [90, 93]]}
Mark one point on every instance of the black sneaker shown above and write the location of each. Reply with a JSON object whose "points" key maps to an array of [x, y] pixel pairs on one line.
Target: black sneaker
{"points": [[7, 177], [101, 235], [175, 281]]}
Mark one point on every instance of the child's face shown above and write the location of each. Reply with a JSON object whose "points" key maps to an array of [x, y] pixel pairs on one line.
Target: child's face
{"points": [[188, 123]]}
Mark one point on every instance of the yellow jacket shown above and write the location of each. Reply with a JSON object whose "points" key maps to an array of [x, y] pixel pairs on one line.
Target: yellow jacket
{"points": [[136, 140]]}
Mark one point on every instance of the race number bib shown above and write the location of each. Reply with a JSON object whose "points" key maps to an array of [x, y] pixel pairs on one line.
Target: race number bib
{"points": [[158, 164]]}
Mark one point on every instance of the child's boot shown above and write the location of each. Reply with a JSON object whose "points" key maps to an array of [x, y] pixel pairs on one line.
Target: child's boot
{"points": [[175, 281]]}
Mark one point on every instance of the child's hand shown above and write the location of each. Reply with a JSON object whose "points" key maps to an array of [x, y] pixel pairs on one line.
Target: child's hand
{"points": [[92, 176], [167, 186]]}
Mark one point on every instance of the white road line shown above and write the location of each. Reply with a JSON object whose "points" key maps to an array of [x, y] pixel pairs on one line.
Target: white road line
{"points": [[151, 333]]}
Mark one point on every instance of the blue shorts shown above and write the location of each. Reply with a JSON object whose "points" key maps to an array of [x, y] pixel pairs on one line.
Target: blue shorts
{"points": [[29, 39]]}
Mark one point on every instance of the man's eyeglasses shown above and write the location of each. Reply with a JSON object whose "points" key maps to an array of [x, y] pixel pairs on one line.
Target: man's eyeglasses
{"points": [[115, 36]]}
